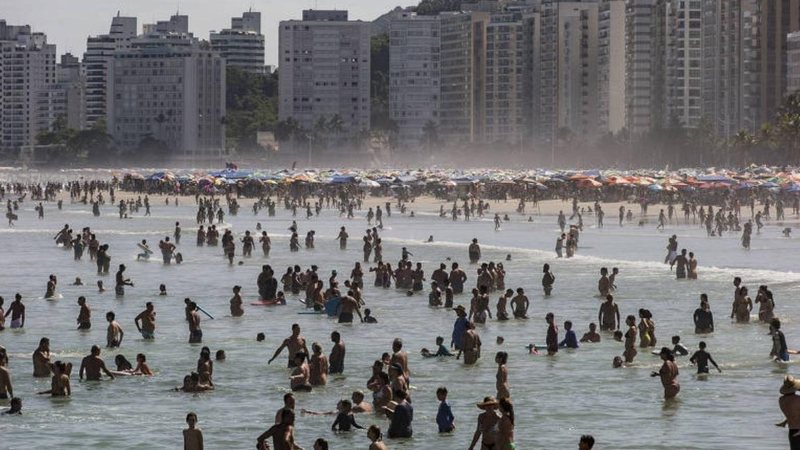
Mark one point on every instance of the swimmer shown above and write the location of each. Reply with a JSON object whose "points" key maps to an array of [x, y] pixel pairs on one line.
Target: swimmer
{"points": [[701, 358], [147, 318], [92, 365], [592, 335], [236, 302], [77, 282], [608, 316], [376, 438], [192, 436], [84, 316], [100, 288], [336, 360], [17, 312], [368, 317], [295, 343], [668, 374], [441, 350], [114, 333], [162, 289]]}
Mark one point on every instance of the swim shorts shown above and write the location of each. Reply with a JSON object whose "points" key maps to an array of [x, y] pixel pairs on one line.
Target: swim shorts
{"points": [[147, 334], [784, 356], [84, 325], [196, 336], [16, 323], [346, 317]]}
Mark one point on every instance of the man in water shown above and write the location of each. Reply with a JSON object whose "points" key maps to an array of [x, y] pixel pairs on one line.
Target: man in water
{"points": [[267, 284], [294, 343], [6, 390], [400, 357], [701, 358], [85, 314], [195, 333], [348, 305], [336, 360], [552, 334], [457, 278], [520, 304], [604, 284], [681, 263], [121, 281], [608, 316], [114, 334], [93, 365], [592, 335], [148, 321], [342, 237], [474, 252]]}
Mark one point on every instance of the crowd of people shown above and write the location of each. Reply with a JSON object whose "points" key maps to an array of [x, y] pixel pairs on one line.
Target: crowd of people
{"points": [[390, 379]]}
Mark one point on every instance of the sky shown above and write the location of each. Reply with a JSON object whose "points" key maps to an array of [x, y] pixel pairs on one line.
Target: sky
{"points": [[67, 23]]}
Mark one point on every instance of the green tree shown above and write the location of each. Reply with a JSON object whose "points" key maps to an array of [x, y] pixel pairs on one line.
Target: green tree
{"points": [[252, 106]]}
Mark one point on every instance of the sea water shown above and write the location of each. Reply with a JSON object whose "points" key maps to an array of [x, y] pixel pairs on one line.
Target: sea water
{"points": [[556, 398]]}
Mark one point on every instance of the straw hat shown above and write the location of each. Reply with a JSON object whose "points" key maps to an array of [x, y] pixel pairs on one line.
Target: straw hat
{"points": [[790, 385], [459, 308], [487, 402]]}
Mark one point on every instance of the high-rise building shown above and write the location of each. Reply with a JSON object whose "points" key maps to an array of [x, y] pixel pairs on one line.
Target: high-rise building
{"points": [[568, 69], [27, 72], [177, 24], [414, 75], [508, 51], [644, 63], [168, 87], [99, 54], [611, 66], [793, 63], [684, 47], [324, 64], [463, 73], [67, 96], [242, 45], [776, 19]]}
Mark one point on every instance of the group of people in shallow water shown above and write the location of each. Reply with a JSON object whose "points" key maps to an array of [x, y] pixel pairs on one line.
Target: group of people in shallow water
{"points": [[390, 379]]}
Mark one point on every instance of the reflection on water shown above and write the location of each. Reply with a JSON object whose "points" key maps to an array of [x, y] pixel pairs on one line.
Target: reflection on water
{"points": [[557, 399]]}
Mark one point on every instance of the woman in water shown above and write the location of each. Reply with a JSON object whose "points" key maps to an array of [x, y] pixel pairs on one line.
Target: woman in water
{"points": [[502, 375], [668, 373], [630, 339], [505, 433], [318, 364], [301, 374]]}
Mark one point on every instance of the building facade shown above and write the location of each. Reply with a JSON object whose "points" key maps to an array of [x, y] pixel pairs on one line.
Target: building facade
{"points": [[793, 63], [99, 54], [67, 96], [242, 45], [324, 65], [169, 88], [27, 74], [611, 66], [414, 75], [463, 83]]}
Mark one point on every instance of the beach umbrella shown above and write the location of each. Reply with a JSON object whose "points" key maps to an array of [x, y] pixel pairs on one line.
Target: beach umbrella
{"points": [[367, 183], [655, 187]]}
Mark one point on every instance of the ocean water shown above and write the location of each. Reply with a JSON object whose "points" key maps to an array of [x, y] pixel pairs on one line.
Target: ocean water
{"points": [[556, 399]]}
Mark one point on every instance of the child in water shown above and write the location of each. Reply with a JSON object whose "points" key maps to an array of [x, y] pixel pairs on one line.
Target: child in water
{"points": [[441, 349]]}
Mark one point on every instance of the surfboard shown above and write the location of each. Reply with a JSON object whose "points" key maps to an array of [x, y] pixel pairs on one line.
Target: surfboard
{"points": [[311, 312]]}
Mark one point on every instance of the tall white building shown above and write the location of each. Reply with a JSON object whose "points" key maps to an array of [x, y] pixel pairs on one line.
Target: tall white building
{"points": [[99, 54], [414, 75], [611, 66], [242, 45], [324, 64], [27, 72], [169, 87]]}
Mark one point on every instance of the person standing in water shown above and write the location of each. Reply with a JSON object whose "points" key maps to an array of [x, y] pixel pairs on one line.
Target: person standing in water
{"points": [[147, 327], [548, 279], [84, 316], [295, 343], [114, 333], [668, 374], [192, 436], [701, 358], [501, 378], [121, 281]]}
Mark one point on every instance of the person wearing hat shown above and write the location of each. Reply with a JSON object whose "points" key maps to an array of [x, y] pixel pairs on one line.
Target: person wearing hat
{"points": [[790, 407], [487, 427], [668, 373]]}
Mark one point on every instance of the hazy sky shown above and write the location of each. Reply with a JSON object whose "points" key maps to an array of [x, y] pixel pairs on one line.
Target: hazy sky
{"points": [[68, 22]]}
